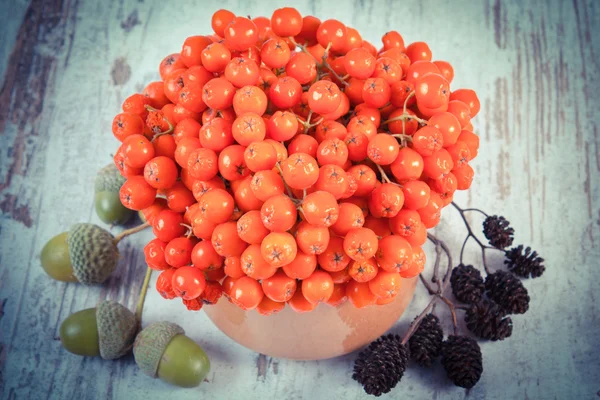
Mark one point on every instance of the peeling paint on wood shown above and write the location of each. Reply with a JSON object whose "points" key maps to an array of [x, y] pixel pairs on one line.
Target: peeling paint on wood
{"points": [[121, 71], [131, 21], [9, 205]]}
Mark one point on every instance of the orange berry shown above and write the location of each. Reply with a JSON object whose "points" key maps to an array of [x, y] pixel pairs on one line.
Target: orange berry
{"points": [[244, 196], [350, 217], [268, 306], [278, 213], [386, 284], [246, 293], [312, 239], [338, 296], [320, 208], [386, 200], [334, 258], [300, 171], [363, 271], [279, 248], [417, 265], [360, 244], [380, 226], [359, 294], [226, 241], [217, 206], [302, 266], [299, 303], [266, 184], [227, 285], [233, 267], [260, 156], [332, 179], [279, 287], [250, 228], [394, 253], [318, 287], [254, 265]]}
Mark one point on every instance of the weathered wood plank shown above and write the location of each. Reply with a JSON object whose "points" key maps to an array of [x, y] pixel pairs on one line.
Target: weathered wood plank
{"points": [[535, 67]]}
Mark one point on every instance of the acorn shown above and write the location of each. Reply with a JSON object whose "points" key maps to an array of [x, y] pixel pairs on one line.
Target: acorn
{"points": [[163, 350], [106, 198], [86, 253], [107, 330]]}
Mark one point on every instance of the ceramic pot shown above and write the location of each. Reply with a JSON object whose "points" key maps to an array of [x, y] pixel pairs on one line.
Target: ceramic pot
{"points": [[322, 333]]}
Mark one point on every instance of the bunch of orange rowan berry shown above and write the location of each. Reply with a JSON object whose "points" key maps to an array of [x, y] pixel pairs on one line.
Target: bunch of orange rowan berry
{"points": [[287, 160]]}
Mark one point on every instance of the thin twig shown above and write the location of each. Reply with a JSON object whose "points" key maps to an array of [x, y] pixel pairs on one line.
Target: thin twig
{"points": [[417, 321], [485, 267], [436, 266], [453, 312], [440, 295], [475, 209], [128, 232], [307, 123], [447, 251], [140, 304], [289, 191], [384, 175], [339, 78], [462, 249], [404, 117], [472, 235], [427, 285]]}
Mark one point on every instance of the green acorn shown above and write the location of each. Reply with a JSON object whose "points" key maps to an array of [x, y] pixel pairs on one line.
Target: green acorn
{"points": [[86, 253], [163, 350], [106, 199], [107, 330]]}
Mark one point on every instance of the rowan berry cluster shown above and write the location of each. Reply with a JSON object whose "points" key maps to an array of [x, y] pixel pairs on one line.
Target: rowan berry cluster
{"points": [[287, 160]]}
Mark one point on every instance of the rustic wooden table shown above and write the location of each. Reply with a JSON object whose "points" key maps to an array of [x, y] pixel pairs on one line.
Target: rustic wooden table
{"points": [[68, 65]]}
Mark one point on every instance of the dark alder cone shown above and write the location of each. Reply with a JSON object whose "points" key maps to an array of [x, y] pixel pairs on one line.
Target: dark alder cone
{"points": [[498, 231], [524, 264], [381, 366], [467, 284], [508, 292], [488, 321], [461, 358], [425, 344]]}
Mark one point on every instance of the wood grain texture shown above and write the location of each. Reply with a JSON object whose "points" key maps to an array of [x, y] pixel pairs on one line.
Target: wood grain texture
{"points": [[535, 65]]}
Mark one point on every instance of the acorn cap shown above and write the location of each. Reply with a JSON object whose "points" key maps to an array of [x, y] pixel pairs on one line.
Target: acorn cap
{"points": [[93, 253], [150, 344], [108, 179], [117, 327]]}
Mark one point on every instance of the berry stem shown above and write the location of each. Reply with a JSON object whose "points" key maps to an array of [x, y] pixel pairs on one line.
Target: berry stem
{"points": [[436, 266], [384, 175], [189, 228], [289, 191], [485, 266], [307, 123], [404, 117], [477, 210], [339, 78], [437, 295], [323, 63], [140, 304], [453, 312], [131, 231], [427, 285], [447, 251], [470, 234], [417, 321]]}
